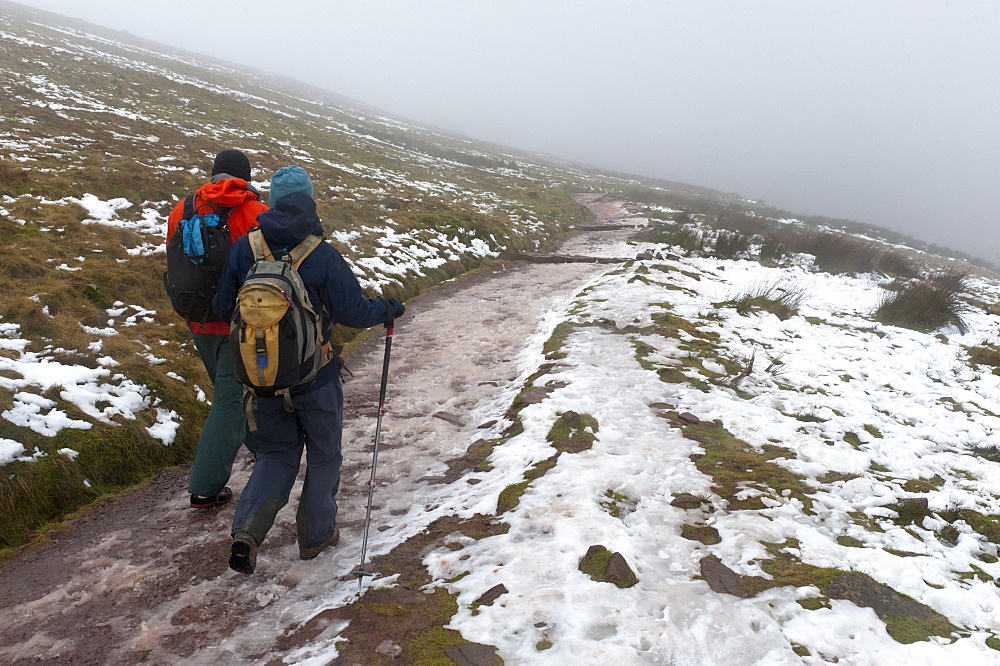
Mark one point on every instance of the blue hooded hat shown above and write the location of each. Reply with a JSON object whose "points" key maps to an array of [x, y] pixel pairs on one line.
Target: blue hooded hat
{"points": [[287, 180]]}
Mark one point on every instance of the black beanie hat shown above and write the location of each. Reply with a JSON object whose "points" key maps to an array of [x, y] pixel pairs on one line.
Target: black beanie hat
{"points": [[233, 163]]}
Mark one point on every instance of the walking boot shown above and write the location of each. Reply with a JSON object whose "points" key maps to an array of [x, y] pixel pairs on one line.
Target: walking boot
{"points": [[208, 501], [310, 553], [243, 553]]}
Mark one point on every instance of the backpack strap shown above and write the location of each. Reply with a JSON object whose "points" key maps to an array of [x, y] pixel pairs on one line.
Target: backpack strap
{"points": [[299, 253], [188, 212], [249, 405], [259, 245], [214, 209]]}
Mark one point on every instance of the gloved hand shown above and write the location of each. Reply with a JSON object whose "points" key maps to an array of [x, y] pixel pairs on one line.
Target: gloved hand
{"points": [[393, 309]]}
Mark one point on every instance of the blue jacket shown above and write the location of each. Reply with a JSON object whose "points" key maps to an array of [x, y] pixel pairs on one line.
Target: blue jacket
{"points": [[327, 277]]}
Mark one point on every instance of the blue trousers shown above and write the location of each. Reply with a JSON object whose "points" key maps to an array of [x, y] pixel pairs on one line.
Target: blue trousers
{"points": [[316, 425], [225, 428]]}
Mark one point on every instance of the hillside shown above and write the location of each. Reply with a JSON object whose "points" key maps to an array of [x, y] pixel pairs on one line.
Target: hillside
{"points": [[704, 432], [101, 135], [657, 461]]}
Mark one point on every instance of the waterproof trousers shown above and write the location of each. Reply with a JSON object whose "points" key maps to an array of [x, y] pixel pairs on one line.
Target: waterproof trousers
{"points": [[225, 429], [315, 424]]}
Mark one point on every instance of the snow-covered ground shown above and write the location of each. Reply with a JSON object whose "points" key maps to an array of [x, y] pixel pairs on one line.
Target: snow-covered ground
{"points": [[840, 373], [841, 370], [860, 414], [856, 409]]}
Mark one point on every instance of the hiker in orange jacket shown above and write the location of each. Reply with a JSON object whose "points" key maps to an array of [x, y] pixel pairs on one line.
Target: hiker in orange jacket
{"points": [[225, 428]]}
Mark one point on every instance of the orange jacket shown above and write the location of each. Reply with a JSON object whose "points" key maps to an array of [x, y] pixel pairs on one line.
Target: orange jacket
{"points": [[228, 192]]}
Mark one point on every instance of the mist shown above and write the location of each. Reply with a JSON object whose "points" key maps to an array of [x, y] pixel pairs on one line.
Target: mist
{"points": [[885, 112]]}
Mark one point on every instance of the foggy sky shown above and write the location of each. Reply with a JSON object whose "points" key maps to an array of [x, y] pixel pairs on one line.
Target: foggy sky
{"points": [[885, 112]]}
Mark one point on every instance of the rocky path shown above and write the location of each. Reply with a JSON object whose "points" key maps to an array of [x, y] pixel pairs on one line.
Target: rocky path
{"points": [[141, 577]]}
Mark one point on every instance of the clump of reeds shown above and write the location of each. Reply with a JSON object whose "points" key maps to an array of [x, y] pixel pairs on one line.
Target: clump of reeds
{"points": [[730, 244], [985, 353], [688, 237], [782, 299], [925, 304]]}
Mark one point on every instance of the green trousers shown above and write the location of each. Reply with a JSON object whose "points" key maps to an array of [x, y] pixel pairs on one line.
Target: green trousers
{"points": [[225, 429]]}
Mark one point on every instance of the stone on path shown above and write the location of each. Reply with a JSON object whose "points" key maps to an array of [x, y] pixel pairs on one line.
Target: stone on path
{"points": [[473, 654], [450, 418], [491, 595], [605, 566], [723, 579]]}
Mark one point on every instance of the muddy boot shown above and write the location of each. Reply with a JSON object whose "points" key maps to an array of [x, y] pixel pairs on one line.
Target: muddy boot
{"points": [[310, 553], [243, 554], [207, 502]]}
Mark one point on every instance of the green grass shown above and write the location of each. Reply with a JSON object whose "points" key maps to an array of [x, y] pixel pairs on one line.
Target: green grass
{"points": [[732, 464], [571, 433], [112, 458]]}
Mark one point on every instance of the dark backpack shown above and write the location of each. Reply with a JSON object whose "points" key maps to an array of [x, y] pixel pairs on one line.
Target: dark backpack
{"points": [[275, 330], [196, 254]]}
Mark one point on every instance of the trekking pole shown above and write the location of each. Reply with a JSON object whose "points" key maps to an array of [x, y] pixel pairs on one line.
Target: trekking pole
{"points": [[360, 573]]}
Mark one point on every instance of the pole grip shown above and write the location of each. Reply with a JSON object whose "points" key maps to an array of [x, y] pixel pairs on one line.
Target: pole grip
{"points": [[385, 364]]}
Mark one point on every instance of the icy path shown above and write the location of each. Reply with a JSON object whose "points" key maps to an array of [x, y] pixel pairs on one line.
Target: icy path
{"points": [[147, 576], [454, 367]]}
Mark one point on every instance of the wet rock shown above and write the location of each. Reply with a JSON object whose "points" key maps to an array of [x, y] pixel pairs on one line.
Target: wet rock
{"points": [[491, 595], [885, 601], [723, 579], [450, 418], [545, 258], [488, 424], [619, 572], [473, 654], [534, 396], [607, 227], [693, 276], [687, 501], [478, 442], [605, 566], [911, 509], [643, 256], [688, 417]]}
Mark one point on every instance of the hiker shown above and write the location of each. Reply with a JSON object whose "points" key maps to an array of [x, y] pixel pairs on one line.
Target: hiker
{"points": [[311, 415], [229, 195]]}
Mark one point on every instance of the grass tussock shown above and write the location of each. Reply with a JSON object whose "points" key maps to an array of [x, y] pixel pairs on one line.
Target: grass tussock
{"points": [[985, 353], [112, 457], [782, 299], [731, 244], [688, 237], [925, 304], [737, 233], [772, 250]]}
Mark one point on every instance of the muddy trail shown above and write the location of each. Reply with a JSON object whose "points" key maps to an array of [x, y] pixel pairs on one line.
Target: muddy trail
{"points": [[141, 577]]}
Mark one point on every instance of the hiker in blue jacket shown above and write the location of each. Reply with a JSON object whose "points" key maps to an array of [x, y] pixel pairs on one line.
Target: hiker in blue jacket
{"points": [[315, 421]]}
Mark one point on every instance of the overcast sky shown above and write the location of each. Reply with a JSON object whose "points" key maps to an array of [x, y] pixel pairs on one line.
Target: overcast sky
{"points": [[886, 112]]}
